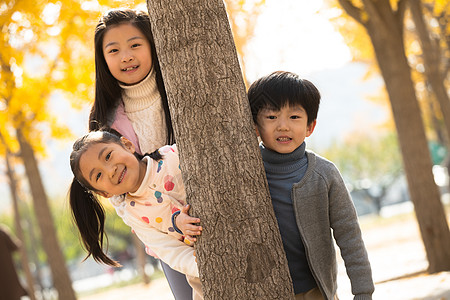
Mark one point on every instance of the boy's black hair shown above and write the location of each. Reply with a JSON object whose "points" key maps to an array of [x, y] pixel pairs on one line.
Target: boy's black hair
{"points": [[280, 88], [108, 93]]}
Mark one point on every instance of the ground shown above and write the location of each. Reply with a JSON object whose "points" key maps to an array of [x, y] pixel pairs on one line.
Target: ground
{"points": [[396, 254]]}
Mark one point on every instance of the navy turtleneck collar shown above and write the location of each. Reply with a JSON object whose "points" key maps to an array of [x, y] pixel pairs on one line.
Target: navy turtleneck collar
{"points": [[279, 163], [273, 157]]}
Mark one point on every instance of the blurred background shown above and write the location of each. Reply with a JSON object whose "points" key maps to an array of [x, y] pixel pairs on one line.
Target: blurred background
{"points": [[47, 87]]}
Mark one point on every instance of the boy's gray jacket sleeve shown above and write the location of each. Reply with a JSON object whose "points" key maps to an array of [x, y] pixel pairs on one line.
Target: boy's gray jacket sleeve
{"points": [[323, 210]]}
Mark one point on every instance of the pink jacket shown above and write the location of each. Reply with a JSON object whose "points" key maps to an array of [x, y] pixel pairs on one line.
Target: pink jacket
{"points": [[123, 125]]}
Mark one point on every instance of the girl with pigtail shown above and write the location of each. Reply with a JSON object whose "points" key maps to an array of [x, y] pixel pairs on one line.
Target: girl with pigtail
{"points": [[147, 189]]}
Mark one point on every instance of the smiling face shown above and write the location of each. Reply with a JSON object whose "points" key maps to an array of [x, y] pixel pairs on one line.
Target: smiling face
{"points": [[283, 130], [127, 53], [112, 169]]}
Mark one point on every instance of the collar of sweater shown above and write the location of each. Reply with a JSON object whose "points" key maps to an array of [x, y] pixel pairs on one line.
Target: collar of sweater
{"points": [[148, 174], [141, 95], [275, 162]]}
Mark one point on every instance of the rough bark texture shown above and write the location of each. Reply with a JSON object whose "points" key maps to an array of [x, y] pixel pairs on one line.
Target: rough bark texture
{"points": [[55, 258], [384, 27], [240, 253]]}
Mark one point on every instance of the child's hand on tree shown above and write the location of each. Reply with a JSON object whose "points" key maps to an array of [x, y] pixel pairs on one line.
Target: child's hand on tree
{"points": [[187, 224]]}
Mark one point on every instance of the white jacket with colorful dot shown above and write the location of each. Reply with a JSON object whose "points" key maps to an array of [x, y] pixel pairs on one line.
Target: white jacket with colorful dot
{"points": [[149, 211]]}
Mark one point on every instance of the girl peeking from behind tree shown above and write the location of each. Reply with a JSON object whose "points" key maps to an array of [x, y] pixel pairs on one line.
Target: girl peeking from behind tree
{"points": [[148, 192]]}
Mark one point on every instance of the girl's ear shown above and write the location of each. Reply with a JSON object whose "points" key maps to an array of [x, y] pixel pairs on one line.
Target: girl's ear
{"points": [[127, 144]]}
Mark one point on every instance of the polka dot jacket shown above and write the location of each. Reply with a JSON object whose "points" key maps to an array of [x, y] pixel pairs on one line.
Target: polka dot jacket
{"points": [[149, 210]]}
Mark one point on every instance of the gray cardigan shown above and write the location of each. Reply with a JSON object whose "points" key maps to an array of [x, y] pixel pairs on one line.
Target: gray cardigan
{"points": [[323, 208]]}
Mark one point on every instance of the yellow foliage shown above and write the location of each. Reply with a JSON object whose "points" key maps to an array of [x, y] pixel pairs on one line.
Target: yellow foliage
{"points": [[440, 6], [243, 16], [108, 4], [356, 37], [359, 42], [7, 136], [354, 34], [45, 47]]}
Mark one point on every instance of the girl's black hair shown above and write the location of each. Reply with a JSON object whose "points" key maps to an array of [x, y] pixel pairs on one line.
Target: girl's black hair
{"points": [[108, 93], [89, 216], [87, 210]]}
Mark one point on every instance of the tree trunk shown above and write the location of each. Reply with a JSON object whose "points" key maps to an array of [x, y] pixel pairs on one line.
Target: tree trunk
{"points": [[140, 258], [55, 258], [443, 22], [18, 226], [434, 73], [432, 59], [30, 229], [439, 129], [240, 253], [385, 30]]}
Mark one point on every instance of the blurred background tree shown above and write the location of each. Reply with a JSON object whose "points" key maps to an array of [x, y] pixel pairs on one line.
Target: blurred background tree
{"points": [[369, 163], [427, 32], [384, 22], [36, 57]]}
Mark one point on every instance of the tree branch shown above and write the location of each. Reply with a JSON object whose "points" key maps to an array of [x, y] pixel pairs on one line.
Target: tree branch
{"points": [[443, 24], [352, 10], [400, 13], [9, 79]]}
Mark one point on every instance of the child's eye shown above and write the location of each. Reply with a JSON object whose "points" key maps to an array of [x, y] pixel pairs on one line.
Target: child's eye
{"points": [[113, 51], [108, 156], [98, 176], [271, 117], [295, 117], [135, 45]]}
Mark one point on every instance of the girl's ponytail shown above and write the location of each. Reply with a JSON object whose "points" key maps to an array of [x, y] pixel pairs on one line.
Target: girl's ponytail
{"points": [[89, 216]]}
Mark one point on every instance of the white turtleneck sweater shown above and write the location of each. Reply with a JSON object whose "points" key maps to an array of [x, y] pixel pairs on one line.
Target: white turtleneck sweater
{"points": [[143, 107]]}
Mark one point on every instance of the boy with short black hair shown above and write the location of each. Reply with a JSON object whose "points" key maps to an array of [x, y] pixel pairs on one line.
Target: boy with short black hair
{"points": [[309, 197]]}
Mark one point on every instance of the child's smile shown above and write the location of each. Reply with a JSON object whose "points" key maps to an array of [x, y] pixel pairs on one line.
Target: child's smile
{"points": [[129, 69], [283, 130], [122, 175], [284, 139], [127, 53], [112, 169]]}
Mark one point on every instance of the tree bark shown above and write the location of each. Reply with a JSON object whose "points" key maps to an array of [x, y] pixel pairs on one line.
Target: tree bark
{"points": [[443, 21], [30, 229], [434, 73], [384, 27], [55, 258], [432, 59], [19, 230], [240, 253], [433, 106]]}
